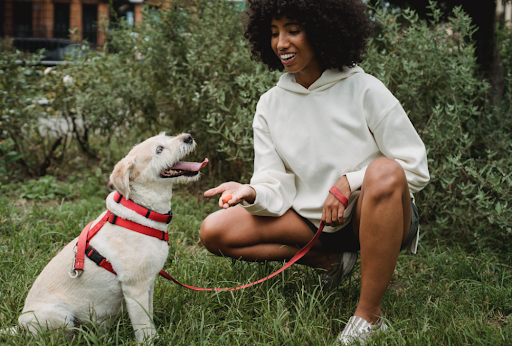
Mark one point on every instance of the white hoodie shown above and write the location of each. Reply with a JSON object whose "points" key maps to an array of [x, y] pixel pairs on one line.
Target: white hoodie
{"points": [[307, 139]]}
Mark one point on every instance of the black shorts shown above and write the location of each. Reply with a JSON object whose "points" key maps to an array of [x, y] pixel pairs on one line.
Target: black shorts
{"points": [[345, 240]]}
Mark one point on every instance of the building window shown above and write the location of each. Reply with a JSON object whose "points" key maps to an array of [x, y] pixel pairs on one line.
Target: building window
{"points": [[89, 26], [22, 17], [122, 10], [61, 20]]}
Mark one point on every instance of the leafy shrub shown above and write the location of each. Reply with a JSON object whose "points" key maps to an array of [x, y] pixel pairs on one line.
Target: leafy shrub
{"points": [[20, 112], [8, 156], [505, 47], [184, 69], [46, 187], [189, 69], [431, 68]]}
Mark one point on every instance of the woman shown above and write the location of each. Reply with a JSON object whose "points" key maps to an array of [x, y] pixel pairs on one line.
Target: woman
{"points": [[331, 144]]}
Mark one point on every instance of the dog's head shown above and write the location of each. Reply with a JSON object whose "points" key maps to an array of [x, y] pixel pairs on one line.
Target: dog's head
{"points": [[155, 164]]}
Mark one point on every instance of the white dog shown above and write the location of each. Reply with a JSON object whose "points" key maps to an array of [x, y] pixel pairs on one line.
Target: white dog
{"points": [[146, 176]]}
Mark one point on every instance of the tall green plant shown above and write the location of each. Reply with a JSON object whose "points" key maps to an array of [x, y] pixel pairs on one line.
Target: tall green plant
{"points": [[24, 114], [183, 69], [431, 68], [189, 69]]}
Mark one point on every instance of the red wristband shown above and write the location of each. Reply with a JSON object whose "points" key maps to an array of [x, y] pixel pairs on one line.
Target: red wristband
{"points": [[334, 190]]}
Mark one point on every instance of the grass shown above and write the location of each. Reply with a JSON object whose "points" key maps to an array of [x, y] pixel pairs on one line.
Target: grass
{"points": [[447, 294]]}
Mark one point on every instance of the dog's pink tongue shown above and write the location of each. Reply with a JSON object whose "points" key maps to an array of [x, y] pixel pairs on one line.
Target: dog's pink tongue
{"points": [[189, 166]]}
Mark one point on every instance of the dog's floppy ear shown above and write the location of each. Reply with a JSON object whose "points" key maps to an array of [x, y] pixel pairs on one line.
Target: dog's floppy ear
{"points": [[120, 176]]}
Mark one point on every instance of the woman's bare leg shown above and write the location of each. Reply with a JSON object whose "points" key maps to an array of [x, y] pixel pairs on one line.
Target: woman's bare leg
{"points": [[382, 220], [237, 234]]}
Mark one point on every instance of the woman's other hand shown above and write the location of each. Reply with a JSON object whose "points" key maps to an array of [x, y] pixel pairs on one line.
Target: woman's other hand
{"points": [[238, 192], [332, 214]]}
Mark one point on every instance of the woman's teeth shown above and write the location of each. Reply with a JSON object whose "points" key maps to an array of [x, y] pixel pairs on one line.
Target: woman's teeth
{"points": [[287, 56]]}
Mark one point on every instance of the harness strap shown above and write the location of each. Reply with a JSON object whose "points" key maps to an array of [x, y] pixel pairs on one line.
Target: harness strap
{"points": [[83, 239], [147, 213], [116, 220], [97, 258], [84, 249]]}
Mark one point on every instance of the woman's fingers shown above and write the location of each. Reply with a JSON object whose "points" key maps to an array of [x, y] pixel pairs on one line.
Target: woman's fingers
{"points": [[341, 210], [232, 194], [214, 191], [332, 214], [229, 186]]}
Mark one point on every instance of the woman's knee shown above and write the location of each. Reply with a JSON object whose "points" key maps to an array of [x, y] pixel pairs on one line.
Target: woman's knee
{"points": [[218, 232], [385, 178], [211, 231]]}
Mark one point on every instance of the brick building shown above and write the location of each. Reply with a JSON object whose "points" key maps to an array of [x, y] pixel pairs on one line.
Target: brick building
{"points": [[35, 24]]}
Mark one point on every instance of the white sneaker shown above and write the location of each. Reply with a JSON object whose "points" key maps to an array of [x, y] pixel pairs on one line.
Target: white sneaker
{"points": [[358, 329]]}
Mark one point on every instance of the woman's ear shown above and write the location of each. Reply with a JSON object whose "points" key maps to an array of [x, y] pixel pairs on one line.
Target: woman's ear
{"points": [[120, 176]]}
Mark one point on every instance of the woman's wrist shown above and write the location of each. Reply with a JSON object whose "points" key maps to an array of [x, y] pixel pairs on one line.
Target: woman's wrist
{"points": [[343, 186], [251, 196]]}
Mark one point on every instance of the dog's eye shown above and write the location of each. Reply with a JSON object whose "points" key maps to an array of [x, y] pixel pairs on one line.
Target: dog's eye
{"points": [[159, 149]]}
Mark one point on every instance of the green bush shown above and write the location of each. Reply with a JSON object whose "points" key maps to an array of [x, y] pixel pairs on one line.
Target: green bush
{"points": [[431, 68], [189, 69], [46, 187], [186, 69], [23, 143], [9, 156]]}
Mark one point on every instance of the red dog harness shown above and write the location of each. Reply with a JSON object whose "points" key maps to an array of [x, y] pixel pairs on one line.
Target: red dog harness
{"points": [[83, 248]]}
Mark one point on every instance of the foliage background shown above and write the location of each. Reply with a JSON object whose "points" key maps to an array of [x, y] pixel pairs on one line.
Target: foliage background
{"points": [[189, 69]]}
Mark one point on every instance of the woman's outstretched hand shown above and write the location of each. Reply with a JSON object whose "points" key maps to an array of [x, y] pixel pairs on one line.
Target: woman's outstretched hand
{"points": [[238, 193], [332, 214]]}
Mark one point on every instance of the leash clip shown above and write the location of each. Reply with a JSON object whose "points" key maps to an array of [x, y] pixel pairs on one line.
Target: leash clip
{"points": [[74, 273]]}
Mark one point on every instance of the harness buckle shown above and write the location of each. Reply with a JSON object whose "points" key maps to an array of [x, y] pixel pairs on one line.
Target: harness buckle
{"points": [[74, 273], [112, 218]]}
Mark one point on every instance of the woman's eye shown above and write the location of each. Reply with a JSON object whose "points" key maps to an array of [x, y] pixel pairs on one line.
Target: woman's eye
{"points": [[275, 34], [159, 149], [295, 32]]}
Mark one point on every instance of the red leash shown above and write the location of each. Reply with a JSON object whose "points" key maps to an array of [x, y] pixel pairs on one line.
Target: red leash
{"points": [[83, 248], [294, 259]]}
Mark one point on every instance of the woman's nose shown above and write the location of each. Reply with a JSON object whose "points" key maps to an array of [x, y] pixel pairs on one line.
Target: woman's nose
{"points": [[282, 42]]}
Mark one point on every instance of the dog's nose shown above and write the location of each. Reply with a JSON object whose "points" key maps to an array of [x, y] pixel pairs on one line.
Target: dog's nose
{"points": [[188, 138]]}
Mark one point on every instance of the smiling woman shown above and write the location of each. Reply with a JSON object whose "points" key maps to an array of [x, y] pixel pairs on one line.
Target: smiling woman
{"points": [[291, 45], [336, 30], [332, 147]]}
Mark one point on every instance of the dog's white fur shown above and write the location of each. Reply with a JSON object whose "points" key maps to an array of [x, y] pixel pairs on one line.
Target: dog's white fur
{"points": [[56, 300]]}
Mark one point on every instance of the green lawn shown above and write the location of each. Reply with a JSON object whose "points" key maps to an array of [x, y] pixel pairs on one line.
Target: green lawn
{"points": [[444, 295]]}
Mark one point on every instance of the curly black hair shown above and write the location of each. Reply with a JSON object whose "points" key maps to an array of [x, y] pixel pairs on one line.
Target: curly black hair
{"points": [[337, 30]]}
